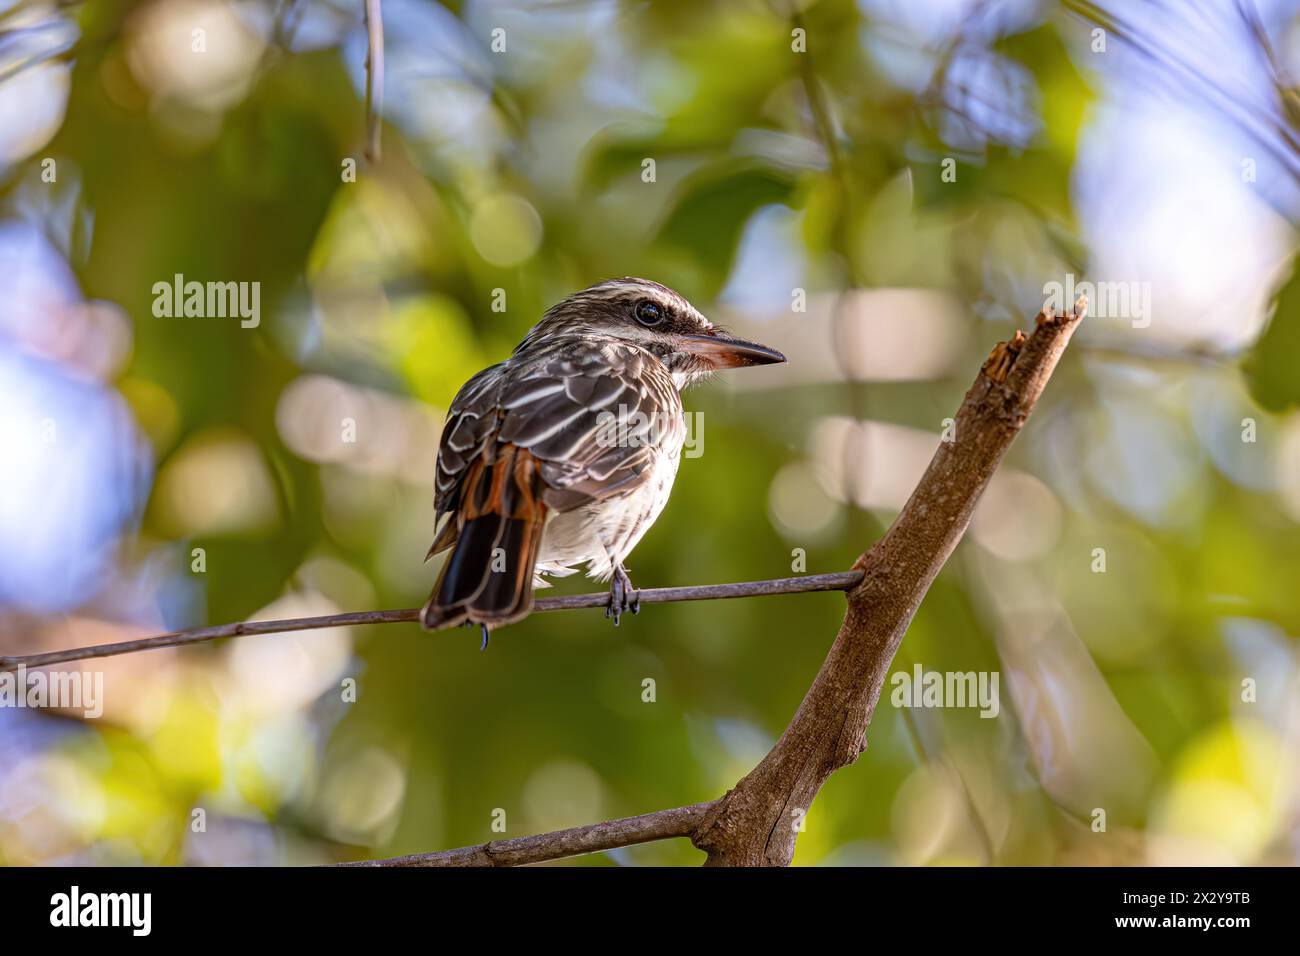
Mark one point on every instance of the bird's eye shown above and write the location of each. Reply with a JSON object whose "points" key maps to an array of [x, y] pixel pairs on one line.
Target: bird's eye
{"points": [[647, 313]]}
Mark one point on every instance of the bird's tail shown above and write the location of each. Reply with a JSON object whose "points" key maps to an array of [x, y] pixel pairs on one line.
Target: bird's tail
{"points": [[488, 577]]}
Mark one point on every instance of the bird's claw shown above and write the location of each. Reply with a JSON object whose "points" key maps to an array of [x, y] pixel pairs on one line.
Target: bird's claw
{"points": [[483, 646], [622, 597]]}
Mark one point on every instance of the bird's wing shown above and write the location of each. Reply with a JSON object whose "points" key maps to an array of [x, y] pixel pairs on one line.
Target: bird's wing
{"points": [[596, 419], [472, 423], [593, 417]]}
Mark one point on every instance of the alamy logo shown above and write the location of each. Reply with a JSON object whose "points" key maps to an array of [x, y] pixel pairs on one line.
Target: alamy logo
{"points": [[632, 428], [74, 908], [1106, 300], [208, 300], [939, 689], [65, 690]]}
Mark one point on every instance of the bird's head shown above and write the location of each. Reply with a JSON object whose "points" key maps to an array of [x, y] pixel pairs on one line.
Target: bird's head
{"points": [[655, 318]]}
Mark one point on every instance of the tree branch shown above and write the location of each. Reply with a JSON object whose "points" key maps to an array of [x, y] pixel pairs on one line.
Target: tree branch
{"points": [[663, 825], [839, 581], [753, 824]]}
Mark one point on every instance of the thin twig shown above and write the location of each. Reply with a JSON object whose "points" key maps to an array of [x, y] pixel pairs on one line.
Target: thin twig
{"points": [[661, 825], [840, 581], [374, 77]]}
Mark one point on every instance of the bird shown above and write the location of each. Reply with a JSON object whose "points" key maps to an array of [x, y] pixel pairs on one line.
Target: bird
{"points": [[565, 453]]}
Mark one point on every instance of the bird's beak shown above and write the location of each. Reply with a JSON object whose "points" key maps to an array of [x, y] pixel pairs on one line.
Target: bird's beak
{"points": [[723, 351]]}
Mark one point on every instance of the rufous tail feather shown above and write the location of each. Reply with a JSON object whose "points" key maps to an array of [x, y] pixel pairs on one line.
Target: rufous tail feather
{"points": [[488, 577]]}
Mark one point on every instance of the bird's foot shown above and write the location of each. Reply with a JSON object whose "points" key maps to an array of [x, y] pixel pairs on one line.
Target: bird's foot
{"points": [[622, 596]]}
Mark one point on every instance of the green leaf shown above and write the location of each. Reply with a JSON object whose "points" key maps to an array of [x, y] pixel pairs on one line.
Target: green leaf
{"points": [[1065, 94], [613, 154], [712, 208], [1271, 367]]}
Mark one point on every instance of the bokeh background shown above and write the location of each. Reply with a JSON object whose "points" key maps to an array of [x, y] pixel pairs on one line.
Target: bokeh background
{"points": [[1150, 142]]}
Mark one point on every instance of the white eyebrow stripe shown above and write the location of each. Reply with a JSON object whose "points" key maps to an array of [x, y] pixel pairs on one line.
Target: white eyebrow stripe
{"points": [[633, 287], [619, 287]]}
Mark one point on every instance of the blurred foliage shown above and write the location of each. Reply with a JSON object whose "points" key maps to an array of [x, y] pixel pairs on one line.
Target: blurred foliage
{"points": [[523, 172], [1270, 367]]}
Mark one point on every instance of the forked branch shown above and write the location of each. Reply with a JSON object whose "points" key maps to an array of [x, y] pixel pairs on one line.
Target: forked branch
{"points": [[753, 823]]}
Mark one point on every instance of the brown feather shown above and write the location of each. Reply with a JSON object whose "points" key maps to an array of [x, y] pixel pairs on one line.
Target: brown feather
{"points": [[499, 507]]}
